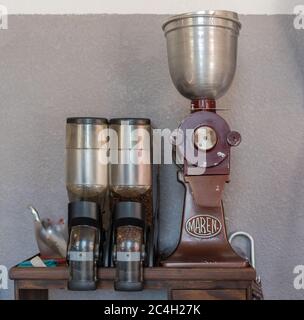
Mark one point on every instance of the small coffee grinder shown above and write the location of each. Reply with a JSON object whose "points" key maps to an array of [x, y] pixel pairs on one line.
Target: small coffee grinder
{"points": [[131, 201], [202, 52], [86, 183]]}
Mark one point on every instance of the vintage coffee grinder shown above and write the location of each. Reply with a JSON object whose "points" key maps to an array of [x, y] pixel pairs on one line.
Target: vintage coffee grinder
{"points": [[202, 53], [131, 244], [86, 183]]}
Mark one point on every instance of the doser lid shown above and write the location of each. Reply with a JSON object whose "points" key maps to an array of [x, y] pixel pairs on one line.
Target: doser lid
{"points": [[129, 210], [87, 120], [130, 121], [83, 209]]}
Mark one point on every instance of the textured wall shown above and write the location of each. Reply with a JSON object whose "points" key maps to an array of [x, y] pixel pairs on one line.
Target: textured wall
{"points": [[139, 6], [52, 67]]}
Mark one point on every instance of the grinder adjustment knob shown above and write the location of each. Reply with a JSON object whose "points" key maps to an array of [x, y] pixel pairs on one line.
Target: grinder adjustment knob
{"points": [[234, 138]]}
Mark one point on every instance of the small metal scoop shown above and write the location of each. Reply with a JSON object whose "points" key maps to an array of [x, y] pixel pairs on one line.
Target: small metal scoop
{"points": [[50, 237]]}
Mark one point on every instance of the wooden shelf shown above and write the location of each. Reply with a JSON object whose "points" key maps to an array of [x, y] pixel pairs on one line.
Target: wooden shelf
{"points": [[180, 283], [150, 274]]}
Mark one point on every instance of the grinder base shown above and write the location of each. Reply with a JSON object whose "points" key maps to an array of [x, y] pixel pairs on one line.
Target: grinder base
{"points": [[203, 242]]}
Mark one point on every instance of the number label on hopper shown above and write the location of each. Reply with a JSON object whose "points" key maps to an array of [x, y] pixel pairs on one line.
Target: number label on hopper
{"points": [[128, 256], [81, 256]]}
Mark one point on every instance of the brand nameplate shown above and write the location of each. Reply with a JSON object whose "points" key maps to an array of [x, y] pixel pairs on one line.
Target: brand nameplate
{"points": [[203, 226]]}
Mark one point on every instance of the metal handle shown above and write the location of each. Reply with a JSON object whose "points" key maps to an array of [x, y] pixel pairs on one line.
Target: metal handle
{"points": [[34, 213], [250, 239]]}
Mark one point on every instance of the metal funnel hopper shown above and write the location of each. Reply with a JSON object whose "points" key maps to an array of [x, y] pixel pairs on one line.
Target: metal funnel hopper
{"points": [[202, 52]]}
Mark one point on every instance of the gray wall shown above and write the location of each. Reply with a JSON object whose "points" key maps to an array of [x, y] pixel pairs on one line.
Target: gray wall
{"points": [[52, 67]]}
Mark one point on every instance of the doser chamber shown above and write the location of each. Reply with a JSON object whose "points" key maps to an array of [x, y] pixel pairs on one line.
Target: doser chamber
{"points": [[86, 158], [83, 247], [129, 250]]}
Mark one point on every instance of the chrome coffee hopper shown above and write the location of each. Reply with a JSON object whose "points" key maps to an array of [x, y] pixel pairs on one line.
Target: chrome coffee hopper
{"points": [[202, 52]]}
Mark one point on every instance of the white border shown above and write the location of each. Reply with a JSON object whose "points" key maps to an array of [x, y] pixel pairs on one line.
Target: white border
{"points": [[147, 6]]}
